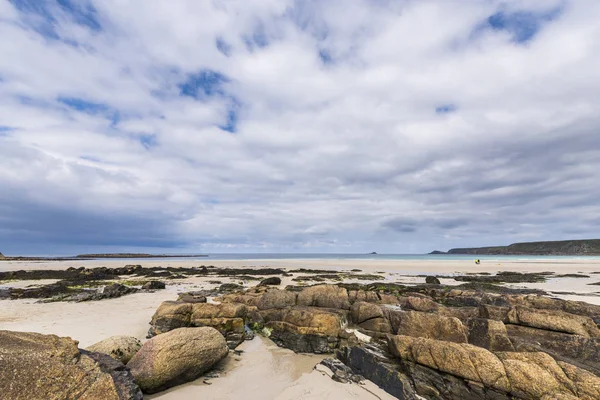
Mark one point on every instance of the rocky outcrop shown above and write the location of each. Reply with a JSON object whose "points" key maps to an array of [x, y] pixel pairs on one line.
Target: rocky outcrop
{"points": [[474, 341], [533, 375], [121, 348], [176, 357], [36, 366]]}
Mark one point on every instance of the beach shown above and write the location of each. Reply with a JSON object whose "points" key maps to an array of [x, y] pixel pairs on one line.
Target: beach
{"points": [[262, 370]]}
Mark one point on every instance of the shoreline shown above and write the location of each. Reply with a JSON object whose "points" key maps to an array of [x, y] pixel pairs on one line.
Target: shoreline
{"points": [[414, 266]]}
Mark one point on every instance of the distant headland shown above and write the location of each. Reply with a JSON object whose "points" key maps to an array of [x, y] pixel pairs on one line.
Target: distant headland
{"points": [[587, 247], [98, 256]]}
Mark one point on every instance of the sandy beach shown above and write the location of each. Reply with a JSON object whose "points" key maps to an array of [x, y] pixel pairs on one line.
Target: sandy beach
{"points": [[262, 370]]}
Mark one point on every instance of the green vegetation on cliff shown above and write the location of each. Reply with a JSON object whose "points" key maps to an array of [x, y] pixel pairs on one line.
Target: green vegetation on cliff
{"points": [[588, 247]]}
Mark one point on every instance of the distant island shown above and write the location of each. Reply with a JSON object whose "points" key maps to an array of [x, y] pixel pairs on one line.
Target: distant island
{"points": [[587, 247], [97, 256], [372, 253]]}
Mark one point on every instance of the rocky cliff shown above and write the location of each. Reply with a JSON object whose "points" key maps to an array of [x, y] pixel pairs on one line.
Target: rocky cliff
{"points": [[590, 247]]}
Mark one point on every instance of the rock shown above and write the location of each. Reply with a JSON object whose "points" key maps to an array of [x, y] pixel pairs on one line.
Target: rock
{"points": [[341, 372], [547, 303], [533, 375], [170, 315], [573, 349], [305, 329], [424, 304], [368, 361], [116, 290], [121, 348], [553, 320], [362, 311], [370, 317], [176, 357], [427, 325], [36, 366], [432, 280], [192, 297], [327, 296], [489, 334], [230, 287], [154, 285], [227, 318], [275, 280], [275, 298]]}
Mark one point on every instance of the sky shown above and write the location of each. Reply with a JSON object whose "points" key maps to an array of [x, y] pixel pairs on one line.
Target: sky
{"points": [[236, 126]]}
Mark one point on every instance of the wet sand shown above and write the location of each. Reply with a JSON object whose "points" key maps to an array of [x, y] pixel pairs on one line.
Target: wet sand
{"points": [[262, 371]]}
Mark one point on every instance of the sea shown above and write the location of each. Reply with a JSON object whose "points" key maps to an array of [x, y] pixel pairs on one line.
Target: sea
{"points": [[349, 256]]}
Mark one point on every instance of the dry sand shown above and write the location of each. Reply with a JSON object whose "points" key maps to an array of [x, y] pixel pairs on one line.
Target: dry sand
{"points": [[262, 371]]}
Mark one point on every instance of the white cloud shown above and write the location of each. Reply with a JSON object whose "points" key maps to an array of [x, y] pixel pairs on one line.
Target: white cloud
{"points": [[329, 154]]}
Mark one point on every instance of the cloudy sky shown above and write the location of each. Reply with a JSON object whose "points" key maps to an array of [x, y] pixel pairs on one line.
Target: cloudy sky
{"points": [[297, 126]]}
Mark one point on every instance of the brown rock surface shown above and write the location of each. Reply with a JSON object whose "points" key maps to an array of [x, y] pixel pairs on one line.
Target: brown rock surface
{"points": [[327, 296], [427, 325], [489, 334], [121, 348], [176, 357], [36, 366], [553, 320]]}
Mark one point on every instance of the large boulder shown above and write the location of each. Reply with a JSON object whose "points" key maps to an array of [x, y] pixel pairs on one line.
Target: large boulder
{"points": [[36, 366], [121, 348], [327, 296], [427, 325], [176, 357]]}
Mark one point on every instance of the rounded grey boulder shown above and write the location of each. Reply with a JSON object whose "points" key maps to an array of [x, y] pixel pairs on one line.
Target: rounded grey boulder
{"points": [[176, 357], [121, 348]]}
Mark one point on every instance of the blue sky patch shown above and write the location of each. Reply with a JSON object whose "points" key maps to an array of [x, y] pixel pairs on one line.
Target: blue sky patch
{"points": [[43, 15], [223, 46], [445, 109], [522, 25], [203, 83], [82, 105], [325, 57], [148, 141], [5, 130], [232, 116]]}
